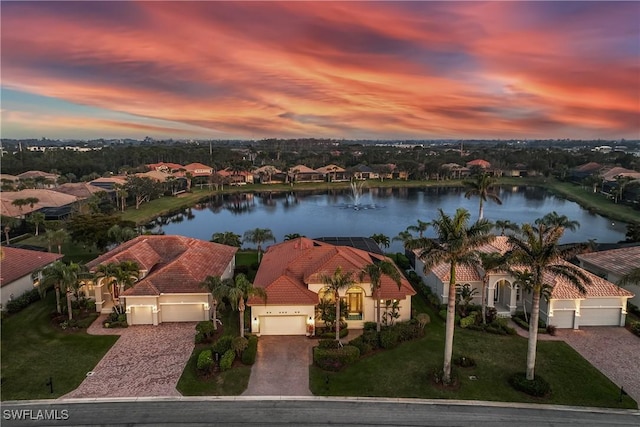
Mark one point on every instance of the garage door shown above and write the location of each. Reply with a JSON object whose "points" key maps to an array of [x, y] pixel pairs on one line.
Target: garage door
{"points": [[282, 325], [182, 313], [562, 319], [600, 317], [141, 315]]}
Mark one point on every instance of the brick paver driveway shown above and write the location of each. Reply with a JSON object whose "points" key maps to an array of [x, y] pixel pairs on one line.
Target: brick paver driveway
{"points": [[282, 367], [613, 351], [145, 361]]}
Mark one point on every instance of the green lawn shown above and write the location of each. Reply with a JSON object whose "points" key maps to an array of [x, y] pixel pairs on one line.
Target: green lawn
{"points": [[32, 351], [406, 371], [71, 250]]}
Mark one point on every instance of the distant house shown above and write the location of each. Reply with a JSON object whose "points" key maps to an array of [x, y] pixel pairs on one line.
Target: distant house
{"points": [[39, 178], [302, 173], [20, 271], [198, 169], [268, 174], [613, 264], [82, 190], [109, 183], [164, 167], [455, 171], [604, 303], [53, 204], [479, 163], [363, 172], [291, 273], [236, 177], [168, 288], [334, 173]]}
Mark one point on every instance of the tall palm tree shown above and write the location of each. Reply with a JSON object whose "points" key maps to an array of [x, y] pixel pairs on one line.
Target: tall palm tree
{"points": [[489, 262], [123, 275], [481, 187], [455, 245], [404, 237], [120, 234], [419, 228], [52, 276], [382, 240], [228, 238], [236, 291], [37, 219], [336, 282], [554, 219], [20, 203], [259, 236], [505, 224], [214, 284], [9, 223], [57, 238], [536, 252], [375, 272]]}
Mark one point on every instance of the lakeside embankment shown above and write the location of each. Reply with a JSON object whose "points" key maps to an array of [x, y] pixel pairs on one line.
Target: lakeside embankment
{"points": [[593, 202]]}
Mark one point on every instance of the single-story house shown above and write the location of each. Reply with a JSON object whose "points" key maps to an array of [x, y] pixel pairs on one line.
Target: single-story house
{"points": [[168, 288], [604, 303], [302, 173], [613, 264], [268, 174], [334, 173], [46, 199], [362, 172], [20, 270], [291, 274]]}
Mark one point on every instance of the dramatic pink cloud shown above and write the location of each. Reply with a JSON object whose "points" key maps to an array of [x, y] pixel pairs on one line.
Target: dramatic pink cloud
{"points": [[344, 70]]}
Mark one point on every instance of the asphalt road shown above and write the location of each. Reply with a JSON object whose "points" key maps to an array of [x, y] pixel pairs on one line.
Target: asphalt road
{"points": [[280, 411]]}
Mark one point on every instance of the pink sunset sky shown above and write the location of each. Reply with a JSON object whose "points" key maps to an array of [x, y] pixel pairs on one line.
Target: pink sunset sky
{"points": [[355, 70]]}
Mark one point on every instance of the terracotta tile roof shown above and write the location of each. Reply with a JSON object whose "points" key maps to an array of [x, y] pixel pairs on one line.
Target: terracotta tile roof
{"points": [[302, 169], [588, 167], [613, 173], [464, 273], [81, 190], [37, 174], [330, 169], [619, 261], [194, 166], [46, 198], [155, 175], [597, 287], [16, 263], [164, 166], [288, 267], [267, 168], [176, 264], [479, 162], [118, 179]]}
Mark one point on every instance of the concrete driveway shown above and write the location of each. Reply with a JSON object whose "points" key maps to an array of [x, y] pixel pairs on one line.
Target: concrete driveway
{"points": [[145, 361], [282, 367], [614, 351]]}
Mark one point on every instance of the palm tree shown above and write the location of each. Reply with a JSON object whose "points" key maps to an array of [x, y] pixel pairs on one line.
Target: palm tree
{"points": [[505, 224], [336, 282], [375, 272], [382, 240], [20, 203], [259, 236], [9, 223], [53, 276], [123, 275], [536, 252], [489, 262], [57, 238], [404, 237], [31, 201], [121, 194], [236, 291], [455, 245], [228, 238], [292, 236], [420, 228], [481, 187], [554, 219], [214, 284], [120, 234], [37, 219]]}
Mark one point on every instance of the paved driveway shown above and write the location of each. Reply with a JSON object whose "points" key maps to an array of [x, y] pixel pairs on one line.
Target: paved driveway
{"points": [[282, 367], [614, 351], [145, 361]]}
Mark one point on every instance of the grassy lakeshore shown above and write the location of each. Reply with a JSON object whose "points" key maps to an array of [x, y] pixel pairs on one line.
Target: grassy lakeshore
{"points": [[591, 201]]}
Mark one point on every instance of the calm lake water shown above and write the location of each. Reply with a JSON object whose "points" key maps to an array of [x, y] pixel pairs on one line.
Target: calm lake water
{"points": [[382, 210]]}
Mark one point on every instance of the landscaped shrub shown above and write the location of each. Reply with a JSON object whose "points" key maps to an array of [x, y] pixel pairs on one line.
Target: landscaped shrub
{"points": [[537, 387], [371, 338], [490, 314], [632, 308], [205, 361], [635, 327], [239, 344], [343, 333], [408, 330], [551, 329], [434, 300], [520, 322], [389, 338], [334, 359], [364, 347], [468, 321], [205, 327], [329, 344], [423, 319], [23, 301], [223, 344], [369, 326], [464, 362], [227, 360], [249, 354], [199, 338]]}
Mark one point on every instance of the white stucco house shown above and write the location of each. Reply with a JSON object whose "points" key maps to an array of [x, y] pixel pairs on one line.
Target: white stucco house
{"points": [[604, 303], [168, 288], [21, 271], [291, 274]]}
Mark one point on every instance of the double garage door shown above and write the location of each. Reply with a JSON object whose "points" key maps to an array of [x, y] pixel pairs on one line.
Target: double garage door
{"points": [[282, 325]]}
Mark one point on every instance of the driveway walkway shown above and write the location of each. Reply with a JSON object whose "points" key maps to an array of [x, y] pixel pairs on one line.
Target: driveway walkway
{"points": [[282, 367], [145, 361]]}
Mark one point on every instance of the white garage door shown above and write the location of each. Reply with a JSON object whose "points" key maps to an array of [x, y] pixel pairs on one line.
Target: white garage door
{"points": [[182, 313], [600, 317], [141, 316], [562, 319], [282, 325]]}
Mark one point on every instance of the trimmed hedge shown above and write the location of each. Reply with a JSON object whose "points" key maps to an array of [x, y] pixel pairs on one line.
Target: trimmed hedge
{"points": [[239, 344], [538, 387], [468, 321], [334, 359], [205, 361], [249, 354], [205, 327], [363, 346], [423, 319], [227, 360], [329, 344], [635, 327], [389, 338], [223, 344], [343, 333], [23, 301]]}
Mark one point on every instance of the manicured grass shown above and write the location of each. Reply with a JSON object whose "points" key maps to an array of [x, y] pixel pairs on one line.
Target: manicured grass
{"points": [[32, 351], [163, 206], [71, 250], [247, 258], [406, 371]]}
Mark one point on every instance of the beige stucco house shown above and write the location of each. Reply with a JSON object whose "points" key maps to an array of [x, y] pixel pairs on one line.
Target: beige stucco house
{"points": [[291, 274], [168, 288], [604, 303]]}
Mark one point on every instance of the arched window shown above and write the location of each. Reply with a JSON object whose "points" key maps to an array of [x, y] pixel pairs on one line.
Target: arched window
{"points": [[326, 294]]}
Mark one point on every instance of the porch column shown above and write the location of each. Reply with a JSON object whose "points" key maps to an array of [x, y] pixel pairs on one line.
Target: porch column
{"points": [[576, 316], [490, 291], [623, 312], [512, 299], [97, 294]]}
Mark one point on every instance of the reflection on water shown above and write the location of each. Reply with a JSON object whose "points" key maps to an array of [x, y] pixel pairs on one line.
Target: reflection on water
{"points": [[317, 213]]}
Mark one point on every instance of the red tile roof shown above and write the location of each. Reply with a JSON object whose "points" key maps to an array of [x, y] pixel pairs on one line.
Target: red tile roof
{"points": [[287, 268], [619, 261], [17, 263], [479, 162], [176, 264]]}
